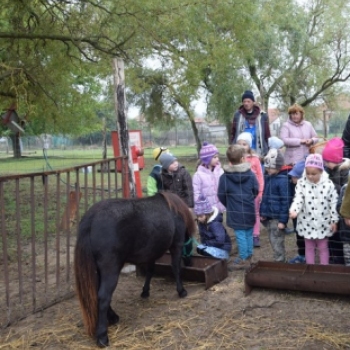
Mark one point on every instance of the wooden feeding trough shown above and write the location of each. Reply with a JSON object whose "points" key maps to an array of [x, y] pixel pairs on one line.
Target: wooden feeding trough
{"points": [[204, 269], [334, 279]]}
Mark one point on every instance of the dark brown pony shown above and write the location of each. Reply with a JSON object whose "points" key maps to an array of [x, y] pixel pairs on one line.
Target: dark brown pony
{"points": [[118, 231]]}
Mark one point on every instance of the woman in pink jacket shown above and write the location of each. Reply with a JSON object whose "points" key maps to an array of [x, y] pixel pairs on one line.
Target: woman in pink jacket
{"points": [[205, 180], [298, 135]]}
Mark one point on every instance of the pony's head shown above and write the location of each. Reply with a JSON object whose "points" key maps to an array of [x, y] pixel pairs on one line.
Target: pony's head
{"points": [[177, 205]]}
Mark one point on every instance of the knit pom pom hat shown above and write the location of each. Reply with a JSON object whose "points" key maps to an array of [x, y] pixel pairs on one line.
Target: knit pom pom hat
{"points": [[333, 151], [275, 142], [248, 94], [314, 161], [274, 159], [207, 152], [202, 206], [247, 137]]}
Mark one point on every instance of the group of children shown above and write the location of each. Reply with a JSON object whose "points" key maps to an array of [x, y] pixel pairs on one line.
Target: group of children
{"points": [[270, 193]]}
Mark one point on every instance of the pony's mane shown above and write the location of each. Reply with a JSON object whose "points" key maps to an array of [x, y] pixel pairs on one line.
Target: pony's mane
{"points": [[177, 205]]}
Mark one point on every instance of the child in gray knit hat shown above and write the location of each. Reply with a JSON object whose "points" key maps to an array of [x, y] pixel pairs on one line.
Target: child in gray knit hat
{"points": [[175, 178]]}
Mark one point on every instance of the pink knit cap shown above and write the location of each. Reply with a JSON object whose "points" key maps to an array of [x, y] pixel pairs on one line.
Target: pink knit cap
{"points": [[333, 151], [314, 161]]}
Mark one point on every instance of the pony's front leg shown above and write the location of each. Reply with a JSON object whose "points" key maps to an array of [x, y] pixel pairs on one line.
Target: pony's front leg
{"points": [[176, 266], [149, 275]]}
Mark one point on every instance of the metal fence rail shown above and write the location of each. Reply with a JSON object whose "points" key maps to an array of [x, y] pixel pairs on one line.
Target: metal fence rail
{"points": [[38, 223]]}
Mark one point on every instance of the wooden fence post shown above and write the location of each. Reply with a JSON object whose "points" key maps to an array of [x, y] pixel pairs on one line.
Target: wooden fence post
{"points": [[129, 187]]}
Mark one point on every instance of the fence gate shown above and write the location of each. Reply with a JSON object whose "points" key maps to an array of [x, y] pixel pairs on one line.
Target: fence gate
{"points": [[38, 223]]}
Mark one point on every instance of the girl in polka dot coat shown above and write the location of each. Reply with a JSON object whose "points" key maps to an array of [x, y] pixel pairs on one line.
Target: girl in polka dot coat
{"points": [[315, 204]]}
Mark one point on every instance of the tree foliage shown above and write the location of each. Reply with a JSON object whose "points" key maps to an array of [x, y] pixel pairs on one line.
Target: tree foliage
{"points": [[55, 57]]}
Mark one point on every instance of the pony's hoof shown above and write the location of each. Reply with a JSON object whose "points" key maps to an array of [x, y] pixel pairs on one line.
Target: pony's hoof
{"points": [[144, 294], [102, 343], [183, 293]]}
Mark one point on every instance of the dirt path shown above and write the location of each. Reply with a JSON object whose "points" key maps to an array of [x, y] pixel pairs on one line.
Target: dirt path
{"points": [[218, 318]]}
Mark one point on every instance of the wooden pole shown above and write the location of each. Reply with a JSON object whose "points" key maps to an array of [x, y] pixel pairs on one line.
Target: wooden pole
{"points": [[123, 133]]}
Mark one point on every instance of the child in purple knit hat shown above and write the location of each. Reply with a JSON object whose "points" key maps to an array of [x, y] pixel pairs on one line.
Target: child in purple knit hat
{"points": [[214, 238], [206, 178]]}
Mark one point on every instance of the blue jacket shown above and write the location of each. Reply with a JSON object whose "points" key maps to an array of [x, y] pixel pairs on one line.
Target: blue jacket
{"points": [[277, 197], [213, 233], [237, 190]]}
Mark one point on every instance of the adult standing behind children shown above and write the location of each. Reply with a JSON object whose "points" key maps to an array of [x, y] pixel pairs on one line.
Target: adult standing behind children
{"points": [[314, 204], [245, 140], [237, 190], [250, 118], [206, 178], [346, 139], [175, 178], [297, 134], [215, 241], [275, 202]]}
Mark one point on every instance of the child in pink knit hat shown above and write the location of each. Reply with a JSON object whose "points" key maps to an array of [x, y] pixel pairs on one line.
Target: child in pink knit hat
{"points": [[314, 204], [337, 168]]}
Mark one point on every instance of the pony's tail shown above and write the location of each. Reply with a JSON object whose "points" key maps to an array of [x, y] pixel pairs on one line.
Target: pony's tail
{"points": [[86, 279]]}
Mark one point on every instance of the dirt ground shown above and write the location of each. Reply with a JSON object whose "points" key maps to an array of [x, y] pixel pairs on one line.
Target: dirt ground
{"points": [[221, 317]]}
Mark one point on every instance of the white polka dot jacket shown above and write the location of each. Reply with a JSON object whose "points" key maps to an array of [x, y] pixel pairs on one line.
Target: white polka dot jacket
{"points": [[316, 205]]}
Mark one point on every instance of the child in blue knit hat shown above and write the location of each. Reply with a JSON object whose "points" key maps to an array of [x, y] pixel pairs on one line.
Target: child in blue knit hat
{"points": [[295, 175], [214, 238]]}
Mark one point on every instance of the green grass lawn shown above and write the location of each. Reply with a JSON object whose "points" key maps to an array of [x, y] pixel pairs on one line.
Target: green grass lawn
{"points": [[37, 161]]}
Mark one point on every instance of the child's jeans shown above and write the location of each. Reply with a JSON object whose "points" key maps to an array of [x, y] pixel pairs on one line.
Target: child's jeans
{"points": [[321, 245], [244, 239], [256, 229], [346, 250], [276, 238], [213, 252]]}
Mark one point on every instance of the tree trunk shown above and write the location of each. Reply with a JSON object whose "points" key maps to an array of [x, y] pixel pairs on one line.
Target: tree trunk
{"points": [[16, 146], [119, 102]]}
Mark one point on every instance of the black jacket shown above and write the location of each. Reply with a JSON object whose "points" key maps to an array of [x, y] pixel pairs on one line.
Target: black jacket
{"points": [[346, 139]]}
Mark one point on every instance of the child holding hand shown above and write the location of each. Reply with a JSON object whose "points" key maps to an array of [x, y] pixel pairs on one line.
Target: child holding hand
{"points": [[314, 204]]}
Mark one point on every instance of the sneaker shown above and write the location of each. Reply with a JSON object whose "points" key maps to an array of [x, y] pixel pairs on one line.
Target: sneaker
{"points": [[299, 259], [238, 261], [237, 264], [256, 241]]}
